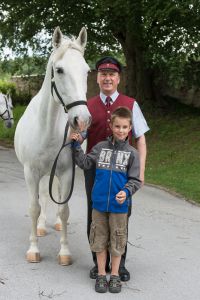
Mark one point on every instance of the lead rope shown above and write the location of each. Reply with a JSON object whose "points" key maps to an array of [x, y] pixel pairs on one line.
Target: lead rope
{"points": [[53, 169]]}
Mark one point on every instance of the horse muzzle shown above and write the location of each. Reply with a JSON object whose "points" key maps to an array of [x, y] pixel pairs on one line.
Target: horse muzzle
{"points": [[81, 125], [8, 123]]}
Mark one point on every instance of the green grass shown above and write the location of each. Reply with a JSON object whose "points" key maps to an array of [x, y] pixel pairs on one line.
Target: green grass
{"points": [[7, 134], [173, 143], [173, 159]]}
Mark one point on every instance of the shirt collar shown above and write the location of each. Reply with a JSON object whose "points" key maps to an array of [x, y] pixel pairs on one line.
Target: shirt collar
{"points": [[118, 143], [113, 96]]}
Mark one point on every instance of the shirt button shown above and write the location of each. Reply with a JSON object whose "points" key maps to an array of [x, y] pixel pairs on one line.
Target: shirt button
{"points": [[108, 129], [108, 111], [108, 120]]}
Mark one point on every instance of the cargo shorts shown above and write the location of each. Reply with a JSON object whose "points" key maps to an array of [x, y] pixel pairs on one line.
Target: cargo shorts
{"points": [[108, 231]]}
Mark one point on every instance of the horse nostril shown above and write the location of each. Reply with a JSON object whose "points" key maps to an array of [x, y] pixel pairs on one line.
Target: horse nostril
{"points": [[76, 121], [8, 124]]}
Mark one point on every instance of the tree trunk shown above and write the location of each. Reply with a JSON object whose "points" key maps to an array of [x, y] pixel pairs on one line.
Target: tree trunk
{"points": [[139, 79]]}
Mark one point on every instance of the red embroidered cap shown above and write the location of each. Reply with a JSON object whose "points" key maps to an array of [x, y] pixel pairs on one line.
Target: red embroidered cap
{"points": [[108, 63], [108, 66]]}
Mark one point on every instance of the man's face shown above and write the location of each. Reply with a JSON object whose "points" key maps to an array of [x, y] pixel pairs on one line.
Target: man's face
{"points": [[108, 81]]}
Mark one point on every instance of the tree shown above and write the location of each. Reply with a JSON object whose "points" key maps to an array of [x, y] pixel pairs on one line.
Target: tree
{"points": [[156, 36], [23, 66]]}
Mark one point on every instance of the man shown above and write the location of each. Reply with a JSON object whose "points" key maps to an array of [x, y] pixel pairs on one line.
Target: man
{"points": [[101, 107]]}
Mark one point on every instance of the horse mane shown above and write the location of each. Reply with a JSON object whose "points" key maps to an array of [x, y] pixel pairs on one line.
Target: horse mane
{"points": [[66, 43]]}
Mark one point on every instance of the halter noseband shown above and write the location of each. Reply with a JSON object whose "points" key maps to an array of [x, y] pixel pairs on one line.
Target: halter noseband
{"points": [[6, 111], [66, 107]]}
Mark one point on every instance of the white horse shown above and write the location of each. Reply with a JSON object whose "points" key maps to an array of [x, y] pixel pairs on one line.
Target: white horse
{"points": [[39, 133], [6, 110]]}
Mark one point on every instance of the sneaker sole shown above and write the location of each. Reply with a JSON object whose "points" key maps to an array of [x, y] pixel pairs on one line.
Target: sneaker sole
{"points": [[114, 292], [100, 291]]}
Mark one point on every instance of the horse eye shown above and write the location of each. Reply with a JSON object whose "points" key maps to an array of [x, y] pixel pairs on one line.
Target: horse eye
{"points": [[59, 70]]}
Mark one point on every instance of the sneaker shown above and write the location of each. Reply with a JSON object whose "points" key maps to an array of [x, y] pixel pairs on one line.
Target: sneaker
{"points": [[115, 284], [101, 285]]}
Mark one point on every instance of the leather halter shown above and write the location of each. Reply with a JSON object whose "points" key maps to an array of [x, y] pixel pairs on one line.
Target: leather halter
{"points": [[53, 170], [54, 88], [6, 111]]}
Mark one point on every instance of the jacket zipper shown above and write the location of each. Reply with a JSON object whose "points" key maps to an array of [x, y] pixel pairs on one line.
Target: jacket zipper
{"points": [[111, 166]]}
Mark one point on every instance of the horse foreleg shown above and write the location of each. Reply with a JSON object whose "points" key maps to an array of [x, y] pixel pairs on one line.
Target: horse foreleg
{"points": [[41, 224], [43, 198], [64, 255], [32, 181], [58, 223]]}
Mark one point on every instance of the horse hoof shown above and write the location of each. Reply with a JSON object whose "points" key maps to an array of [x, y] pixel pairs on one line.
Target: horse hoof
{"points": [[33, 257], [58, 226], [41, 232], [64, 260]]}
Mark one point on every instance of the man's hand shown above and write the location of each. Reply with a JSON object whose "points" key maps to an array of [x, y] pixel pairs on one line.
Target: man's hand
{"points": [[121, 197]]}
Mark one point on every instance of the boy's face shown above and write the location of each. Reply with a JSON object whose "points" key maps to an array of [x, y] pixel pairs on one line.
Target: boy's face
{"points": [[120, 128]]}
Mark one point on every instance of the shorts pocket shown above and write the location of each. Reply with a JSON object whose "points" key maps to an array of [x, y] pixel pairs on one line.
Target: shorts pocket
{"points": [[121, 238], [92, 234]]}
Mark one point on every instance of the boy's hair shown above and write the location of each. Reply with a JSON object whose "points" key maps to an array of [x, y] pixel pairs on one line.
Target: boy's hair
{"points": [[122, 112]]}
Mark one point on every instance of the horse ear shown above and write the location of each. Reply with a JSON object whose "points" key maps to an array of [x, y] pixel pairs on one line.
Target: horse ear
{"points": [[82, 38], [57, 37]]}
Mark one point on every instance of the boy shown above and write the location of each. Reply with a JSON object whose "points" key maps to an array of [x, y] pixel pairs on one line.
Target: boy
{"points": [[117, 178]]}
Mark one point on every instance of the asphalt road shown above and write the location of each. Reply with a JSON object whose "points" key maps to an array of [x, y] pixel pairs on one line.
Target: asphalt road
{"points": [[163, 252]]}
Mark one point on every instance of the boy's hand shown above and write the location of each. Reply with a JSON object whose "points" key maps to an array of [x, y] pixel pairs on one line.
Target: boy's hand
{"points": [[121, 197], [74, 136]]}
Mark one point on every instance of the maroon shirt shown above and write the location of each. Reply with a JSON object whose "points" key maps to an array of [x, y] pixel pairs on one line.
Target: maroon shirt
{"points": [[100, 129]]}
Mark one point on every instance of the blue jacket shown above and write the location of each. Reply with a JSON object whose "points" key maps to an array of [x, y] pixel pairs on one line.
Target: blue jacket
{"points": [[117, 168]]}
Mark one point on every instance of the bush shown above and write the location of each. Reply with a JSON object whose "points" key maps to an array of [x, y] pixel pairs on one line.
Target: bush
{"points": [[21, 98], [8, 87], [18, 97]]}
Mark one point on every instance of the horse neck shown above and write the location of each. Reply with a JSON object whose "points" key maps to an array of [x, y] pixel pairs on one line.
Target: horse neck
{"points": [[49, 110]]}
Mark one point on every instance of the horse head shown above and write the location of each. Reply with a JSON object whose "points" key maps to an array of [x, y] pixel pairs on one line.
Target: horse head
{"points": [[6, 110], [69, 77]]}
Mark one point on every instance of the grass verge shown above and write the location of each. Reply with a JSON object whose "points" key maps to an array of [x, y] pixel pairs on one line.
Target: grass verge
{"points": [[174, 152]]}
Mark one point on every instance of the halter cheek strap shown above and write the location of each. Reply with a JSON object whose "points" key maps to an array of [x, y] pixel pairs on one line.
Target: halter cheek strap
{"points": [[54, 88], [6, 111]]}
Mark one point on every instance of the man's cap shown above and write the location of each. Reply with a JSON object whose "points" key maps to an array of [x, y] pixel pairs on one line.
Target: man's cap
{"points": [[108, 63]]}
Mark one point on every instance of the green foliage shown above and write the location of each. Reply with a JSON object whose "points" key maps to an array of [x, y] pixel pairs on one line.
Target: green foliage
{"points": [[23, 65], [158, 35], [7, 87], [172, 30], [20, 66]]}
